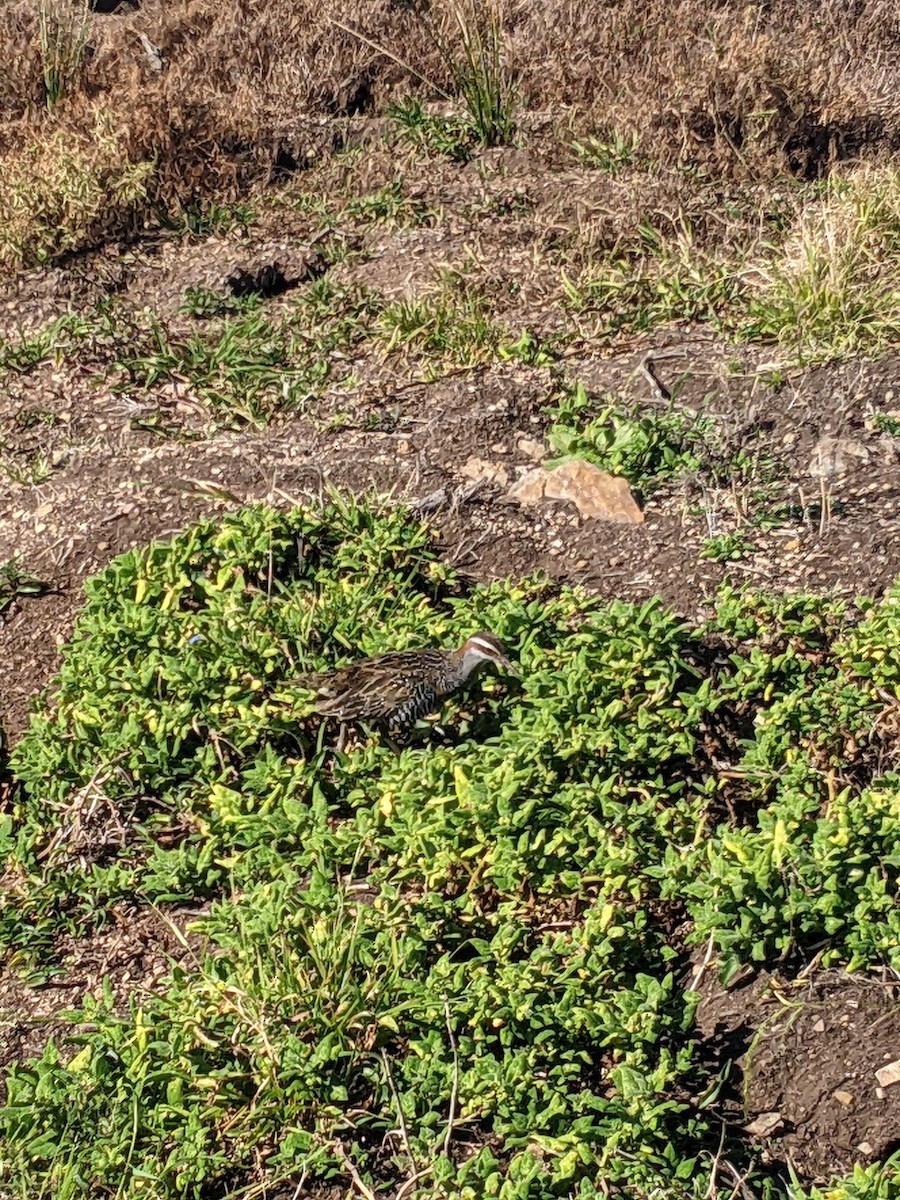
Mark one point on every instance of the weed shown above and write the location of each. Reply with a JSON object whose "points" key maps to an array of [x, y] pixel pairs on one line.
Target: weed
{"points": [[646, 449], [203, 219], [451, 324], [447, 136], [205, 303], [886, 423], [472, 55], [15, 582], [665, 278], [37, 470], [62, 33], [249, 365], [610, 155], [727, 547], [390, 204]]}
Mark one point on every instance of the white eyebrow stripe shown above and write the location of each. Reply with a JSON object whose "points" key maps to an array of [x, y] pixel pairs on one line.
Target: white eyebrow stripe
{"points": [[484, 644]]}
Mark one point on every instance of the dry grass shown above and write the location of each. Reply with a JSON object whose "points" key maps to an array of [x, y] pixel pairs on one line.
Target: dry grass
{"points": [[211, 92], [63, 188], [832, 290]]}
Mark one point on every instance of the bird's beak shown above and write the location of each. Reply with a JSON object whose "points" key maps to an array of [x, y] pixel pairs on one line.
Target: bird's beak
{"points": [[504, 662]]}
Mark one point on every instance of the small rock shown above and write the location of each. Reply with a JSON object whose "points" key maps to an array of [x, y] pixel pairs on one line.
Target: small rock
{"points": [[833, 456], [819, 1026], [478, 469], [498, 448], [889, 1075], [530, 448], [43, 509], [845, 1098], [866, 1148], [764, 1125], [791, 546], [593, 492], [403, 447]]}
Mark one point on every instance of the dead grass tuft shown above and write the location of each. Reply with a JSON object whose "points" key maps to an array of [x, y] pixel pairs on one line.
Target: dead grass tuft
{"points": [[833, 289], [59, 190]]}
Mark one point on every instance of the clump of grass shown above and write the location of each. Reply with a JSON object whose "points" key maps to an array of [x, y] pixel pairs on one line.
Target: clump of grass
{"points": [[61, 189], [448, 136], [471, 51], [62, 35], [247, 365], [661, 277], [451, 324], [35, 471], [610, 154], [482, 78], [201, 219], [832, 289]]}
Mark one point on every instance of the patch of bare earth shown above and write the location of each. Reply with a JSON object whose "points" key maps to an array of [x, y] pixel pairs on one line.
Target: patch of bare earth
{"points": [[801, 1055]]}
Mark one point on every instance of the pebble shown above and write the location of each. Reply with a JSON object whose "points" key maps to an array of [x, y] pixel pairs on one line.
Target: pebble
{"points": [[889, 1075]]}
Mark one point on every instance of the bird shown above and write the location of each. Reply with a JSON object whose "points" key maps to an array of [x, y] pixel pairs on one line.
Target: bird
{"points": [[396, 689]]}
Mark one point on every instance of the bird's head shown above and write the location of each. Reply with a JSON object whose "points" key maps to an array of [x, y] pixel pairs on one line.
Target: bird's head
{"points": [[483, 648]]}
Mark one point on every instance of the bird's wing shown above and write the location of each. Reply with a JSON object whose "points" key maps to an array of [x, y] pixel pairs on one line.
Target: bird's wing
{"points": [[369, 690]]}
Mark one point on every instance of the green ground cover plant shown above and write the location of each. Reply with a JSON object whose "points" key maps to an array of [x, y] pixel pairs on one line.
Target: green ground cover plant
{"points": [[646, 446], [443, 969]]}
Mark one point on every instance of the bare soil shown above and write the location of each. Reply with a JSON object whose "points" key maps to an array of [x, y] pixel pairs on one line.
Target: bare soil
{"points": [[801, 1054]]}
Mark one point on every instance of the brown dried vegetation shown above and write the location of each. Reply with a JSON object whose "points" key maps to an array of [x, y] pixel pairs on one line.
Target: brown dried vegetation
{"points": [[205, 100]]}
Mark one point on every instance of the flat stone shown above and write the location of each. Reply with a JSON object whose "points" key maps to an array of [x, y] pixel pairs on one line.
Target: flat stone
{"points": [[593, 492], [889, 1075], [530, 448], [764, 1125]]}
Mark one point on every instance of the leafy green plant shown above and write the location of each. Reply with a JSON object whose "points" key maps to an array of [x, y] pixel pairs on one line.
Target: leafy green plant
{"points": [[645, 449], [727, 547], [886, 423]]}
